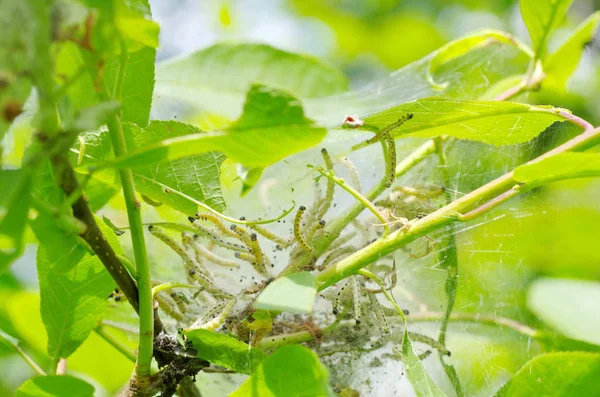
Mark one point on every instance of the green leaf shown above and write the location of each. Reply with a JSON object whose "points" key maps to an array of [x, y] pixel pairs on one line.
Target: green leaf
{"points": [[55, 386], [458, 48], [419, 379], [195, 176], [568, 306], [138, 84], [291, 371], [272, 127], [65, 248], [216, 79], [14, 207], [72, 302], [541, 17], [559, 167], [295, 294], [556, 375], [493, 122], [561, 64], [225, 350]]}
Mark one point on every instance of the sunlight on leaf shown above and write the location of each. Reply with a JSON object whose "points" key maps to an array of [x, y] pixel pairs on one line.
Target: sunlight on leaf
{"points": [[541, 17], [561, 64]]}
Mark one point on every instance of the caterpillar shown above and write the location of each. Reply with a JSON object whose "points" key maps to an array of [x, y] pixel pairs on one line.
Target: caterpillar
{"points": [[390, 163], [379, 315], [316, 226], [297, 229], [388, 129], [334, 255], [188, 261], [203, 216], [266, 233], [354, 177], [337, 303], [215, 238], [215, 316], [356, 299], [168, 305], [181, 301], [203, 252], [326, 202], [207, 283]]}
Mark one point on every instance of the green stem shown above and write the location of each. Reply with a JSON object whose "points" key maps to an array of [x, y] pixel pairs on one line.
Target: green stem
{"points": [[146, 331], [444, 216], [144, 282], [116, 343], [171, 285], [479, 319], [358, 196], [335, 228], [10, 341], [377, 280]]}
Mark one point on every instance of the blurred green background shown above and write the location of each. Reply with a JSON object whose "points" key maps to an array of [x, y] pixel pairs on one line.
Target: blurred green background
{"points": [[551, 233]]}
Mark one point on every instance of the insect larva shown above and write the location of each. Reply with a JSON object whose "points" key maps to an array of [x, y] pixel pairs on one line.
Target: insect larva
{"points": [[216, 221], [390, 164], [334, 255], [181, 301], [356, 299], [215, 316], [326, 202], [188, 261], [284, 243], [261, 260], [167, 304], [390, 128], [203, 252], [215, 238], [316, 226], [354, 177], [379, 315], [337, 303], [297, 229], [207, 283], [340, 241]]}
